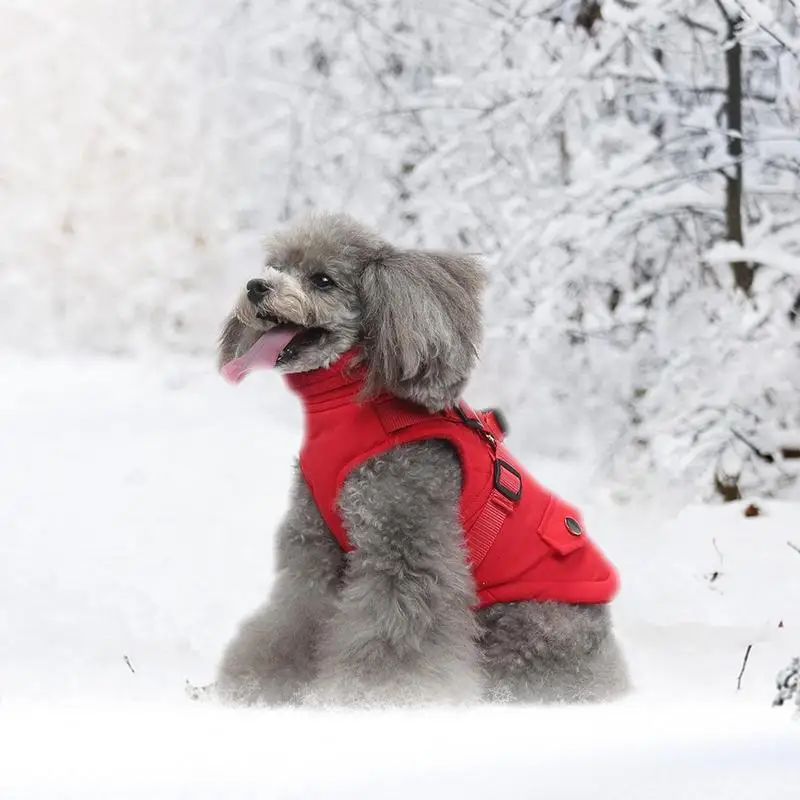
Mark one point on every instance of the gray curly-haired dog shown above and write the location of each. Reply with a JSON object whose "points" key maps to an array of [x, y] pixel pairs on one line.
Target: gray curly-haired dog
{"points": [[394, 620]]}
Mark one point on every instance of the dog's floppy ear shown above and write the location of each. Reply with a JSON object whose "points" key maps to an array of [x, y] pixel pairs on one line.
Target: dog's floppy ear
{"points": [[422, 324], [234, 339], [229, 339]]}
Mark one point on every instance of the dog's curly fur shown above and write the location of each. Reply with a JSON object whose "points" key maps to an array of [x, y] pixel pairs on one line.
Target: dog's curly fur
{"points": [[391, 622]]}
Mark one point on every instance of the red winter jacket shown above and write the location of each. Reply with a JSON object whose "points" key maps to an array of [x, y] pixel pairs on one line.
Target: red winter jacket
{"points": [[524, 542]]}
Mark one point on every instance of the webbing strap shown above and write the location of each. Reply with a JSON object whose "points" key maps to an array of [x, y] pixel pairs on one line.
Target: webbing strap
{"points": [[499, 506]]}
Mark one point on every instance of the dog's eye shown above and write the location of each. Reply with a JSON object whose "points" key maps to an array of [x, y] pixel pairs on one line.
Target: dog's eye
{"points": [[322, 281]]}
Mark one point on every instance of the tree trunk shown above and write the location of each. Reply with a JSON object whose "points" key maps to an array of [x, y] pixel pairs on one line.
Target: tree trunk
{"points": [[734, 189]]}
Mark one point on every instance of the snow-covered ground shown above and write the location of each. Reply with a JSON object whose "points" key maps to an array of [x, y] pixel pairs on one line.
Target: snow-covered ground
{"points": [[137, 503]]}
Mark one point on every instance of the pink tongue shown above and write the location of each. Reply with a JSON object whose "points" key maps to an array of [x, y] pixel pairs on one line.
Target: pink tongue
{"points": [[262, 355]]}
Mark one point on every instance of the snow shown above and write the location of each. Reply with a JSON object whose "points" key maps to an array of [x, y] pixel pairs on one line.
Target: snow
{"points": [[138, 502], [724, 252], [566, 753]]}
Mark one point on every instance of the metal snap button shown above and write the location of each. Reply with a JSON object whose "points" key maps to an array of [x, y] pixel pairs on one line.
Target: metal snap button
{"points": [[573, 526]]}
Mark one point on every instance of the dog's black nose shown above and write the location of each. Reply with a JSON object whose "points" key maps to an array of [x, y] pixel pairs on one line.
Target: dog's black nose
{"points": [[257, 289]]}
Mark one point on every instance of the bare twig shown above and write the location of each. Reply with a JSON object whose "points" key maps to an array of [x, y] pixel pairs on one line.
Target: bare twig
{"points": [[690, 23], [785, 452], [794, 546], [128, 664], [744, 667], [719, 552], [764, 456]]}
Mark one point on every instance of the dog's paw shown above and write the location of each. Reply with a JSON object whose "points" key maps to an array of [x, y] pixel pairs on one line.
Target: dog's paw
{"points": [[390, 694], [337, 694], [203, 694], [251, 690]]}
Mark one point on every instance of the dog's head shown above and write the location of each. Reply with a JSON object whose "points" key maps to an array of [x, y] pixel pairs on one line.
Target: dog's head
{"points": [[329, 284]]}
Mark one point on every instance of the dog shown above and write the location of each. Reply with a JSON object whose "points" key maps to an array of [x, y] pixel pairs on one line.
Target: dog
{"points": [[396, 616]]}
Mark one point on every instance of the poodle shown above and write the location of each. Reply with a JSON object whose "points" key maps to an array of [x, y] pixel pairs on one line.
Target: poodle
{"points": [[392, 613]]}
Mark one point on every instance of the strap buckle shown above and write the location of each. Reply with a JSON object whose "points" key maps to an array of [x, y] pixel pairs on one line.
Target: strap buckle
{"points": [[506, 489], [500, 419], [470, 422], [476, 424]]}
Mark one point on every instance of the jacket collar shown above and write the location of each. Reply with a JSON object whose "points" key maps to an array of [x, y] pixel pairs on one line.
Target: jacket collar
{"points": [[338, 384]]}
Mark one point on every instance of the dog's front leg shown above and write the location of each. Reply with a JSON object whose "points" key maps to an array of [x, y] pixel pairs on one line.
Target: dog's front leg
{"points": [[273, 656], [403, 631]]}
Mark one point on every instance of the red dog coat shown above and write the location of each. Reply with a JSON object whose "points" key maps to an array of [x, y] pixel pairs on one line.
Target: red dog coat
{"points": [[523, 542]]}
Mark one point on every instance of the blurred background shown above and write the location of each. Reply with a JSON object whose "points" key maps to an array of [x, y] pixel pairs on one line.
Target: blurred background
{"points": [[629, 170]]}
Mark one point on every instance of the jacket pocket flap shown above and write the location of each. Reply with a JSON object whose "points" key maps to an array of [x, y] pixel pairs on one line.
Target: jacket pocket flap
{"points": [[562, 527]]}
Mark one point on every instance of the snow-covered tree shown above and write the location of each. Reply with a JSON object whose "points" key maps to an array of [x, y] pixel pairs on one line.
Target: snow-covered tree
{"points": [[629, 169]]}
